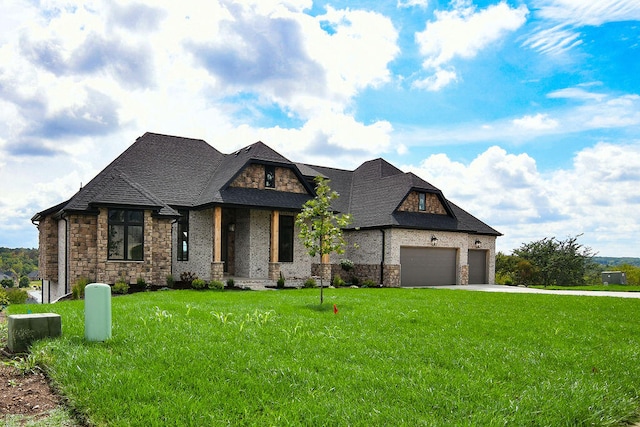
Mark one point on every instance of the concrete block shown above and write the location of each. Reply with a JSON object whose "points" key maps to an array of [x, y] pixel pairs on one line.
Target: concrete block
{"points": [[26, 328]]}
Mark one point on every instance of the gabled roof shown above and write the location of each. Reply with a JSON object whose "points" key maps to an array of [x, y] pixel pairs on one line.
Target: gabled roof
{"points": [[165, 173], [217, 190]]}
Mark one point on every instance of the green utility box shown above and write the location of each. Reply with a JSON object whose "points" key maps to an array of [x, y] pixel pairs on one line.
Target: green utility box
{"points": [[97, 312], [26, 328]]}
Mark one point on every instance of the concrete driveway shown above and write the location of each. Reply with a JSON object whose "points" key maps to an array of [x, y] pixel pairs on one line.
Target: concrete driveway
{"points": [[523, 290]]}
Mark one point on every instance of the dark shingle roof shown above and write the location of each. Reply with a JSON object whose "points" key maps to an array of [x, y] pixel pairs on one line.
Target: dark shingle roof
{"points": [[164, 173]]}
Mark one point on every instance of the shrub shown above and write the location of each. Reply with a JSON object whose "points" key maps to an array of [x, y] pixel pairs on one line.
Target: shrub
{"points": [[280, 283], [77, 290], [4, 299], [216, 285], [16, 296], [170, 281], [24, 282], [7, 283], [310, 283], [355, 281], [120, 287], [368, 283], [337, 281], [188, 277], [198, 283], [231, 283], [346, 264], [141, 282]]}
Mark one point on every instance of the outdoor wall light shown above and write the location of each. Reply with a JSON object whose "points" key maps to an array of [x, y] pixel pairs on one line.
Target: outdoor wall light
{"points": [[232, 227], [434, 240], [478, 243]]}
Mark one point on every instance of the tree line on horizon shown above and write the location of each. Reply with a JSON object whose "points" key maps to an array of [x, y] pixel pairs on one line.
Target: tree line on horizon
{"points": [[18, 263]]}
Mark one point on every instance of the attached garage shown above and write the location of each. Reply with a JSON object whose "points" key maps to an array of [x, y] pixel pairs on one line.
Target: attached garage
{"points": [[421, 266], [477, 267]]}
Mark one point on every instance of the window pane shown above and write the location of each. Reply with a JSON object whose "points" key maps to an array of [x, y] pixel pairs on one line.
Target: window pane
{"points": [[270, 176], [422, 205], [116, 242], [116, 215], [136, 216], [134, 243], [183, 236], [285, 247]]}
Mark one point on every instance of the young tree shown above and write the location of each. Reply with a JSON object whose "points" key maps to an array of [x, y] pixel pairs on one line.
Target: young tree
{"points": [[320, 227]]}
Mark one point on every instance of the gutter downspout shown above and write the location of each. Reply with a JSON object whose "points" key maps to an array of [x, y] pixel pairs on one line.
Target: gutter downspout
{"points": [[382, 258]]}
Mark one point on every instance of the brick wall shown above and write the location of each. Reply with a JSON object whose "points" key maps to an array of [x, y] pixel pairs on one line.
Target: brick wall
{"points": [[432, 204], [253, 177]]}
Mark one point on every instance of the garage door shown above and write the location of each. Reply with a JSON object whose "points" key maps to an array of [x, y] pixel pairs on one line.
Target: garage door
{"points": [[477, 267], [427, 266]]}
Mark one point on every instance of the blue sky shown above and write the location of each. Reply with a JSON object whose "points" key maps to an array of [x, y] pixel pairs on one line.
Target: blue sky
{"points": [[525, 113]]}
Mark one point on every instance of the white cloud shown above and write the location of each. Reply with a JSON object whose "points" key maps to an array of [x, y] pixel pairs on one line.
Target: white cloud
{"points": [[413, 3], [590, 111], [580, 12], [463, 31], [437, 81], [538, 122], [577, 93], [597, 196], [559, 33]]}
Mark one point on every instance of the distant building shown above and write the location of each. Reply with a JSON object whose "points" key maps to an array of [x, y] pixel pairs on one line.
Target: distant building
{"points": [[614, 278]]}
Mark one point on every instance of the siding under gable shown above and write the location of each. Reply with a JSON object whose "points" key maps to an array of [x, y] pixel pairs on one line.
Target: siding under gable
{"points": [[253, 177], [432, 205]]}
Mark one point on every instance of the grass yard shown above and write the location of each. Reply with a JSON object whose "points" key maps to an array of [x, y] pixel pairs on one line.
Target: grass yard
{"points": [[388, 357], [601, 288]]}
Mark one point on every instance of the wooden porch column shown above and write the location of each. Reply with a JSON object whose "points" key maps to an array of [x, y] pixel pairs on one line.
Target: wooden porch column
{"points": [[274, 255], [217, 266]]}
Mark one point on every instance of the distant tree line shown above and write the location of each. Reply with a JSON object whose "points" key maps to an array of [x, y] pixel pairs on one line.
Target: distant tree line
{"points": [[17, 264]]}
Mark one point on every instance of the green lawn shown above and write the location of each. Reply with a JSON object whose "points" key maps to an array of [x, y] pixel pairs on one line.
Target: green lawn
{"points": [[601, 288], [389, 357]]}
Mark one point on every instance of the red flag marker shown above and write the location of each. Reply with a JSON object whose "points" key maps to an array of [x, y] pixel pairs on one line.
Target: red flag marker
{"points": [[335, 309]]}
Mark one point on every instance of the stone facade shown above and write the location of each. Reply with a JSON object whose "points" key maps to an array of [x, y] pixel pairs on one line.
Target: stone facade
{"points": [[253, 177], [48, 244], [76, 247], [463, 274], [432, 204], [391, 276], [82, 247]]}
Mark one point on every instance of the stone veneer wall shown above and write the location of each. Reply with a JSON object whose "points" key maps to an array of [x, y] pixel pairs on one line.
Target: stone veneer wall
{"points": [[83, 230], [161, 245], [157, 248], [432, 204], [48, 245], [253, 177]]}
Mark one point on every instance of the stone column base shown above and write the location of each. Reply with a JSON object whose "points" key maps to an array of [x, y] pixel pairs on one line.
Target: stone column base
{"points": [[391, 276], [464, 275], [325, 271], [217, 270], [274, 271]]}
